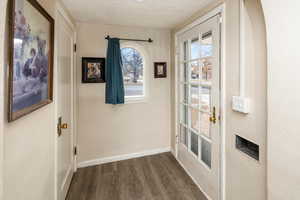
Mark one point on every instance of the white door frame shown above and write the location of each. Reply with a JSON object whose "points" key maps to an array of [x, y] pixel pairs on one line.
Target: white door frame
{"points": [[218, 10], [3, 20], [60, 11]]}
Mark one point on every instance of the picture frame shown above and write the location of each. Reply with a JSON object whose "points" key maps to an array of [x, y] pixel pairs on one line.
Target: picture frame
{"points": [[93, 70], [160, 70], [31, 55]]}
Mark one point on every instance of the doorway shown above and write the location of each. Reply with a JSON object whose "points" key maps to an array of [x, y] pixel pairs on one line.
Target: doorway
{"points": [[199, 104], [65, 101]]}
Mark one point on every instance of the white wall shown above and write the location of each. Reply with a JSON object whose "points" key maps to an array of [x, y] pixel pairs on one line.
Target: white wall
{"points": [[106, 130], [29, 171], [245, 178], [29, 149], [28, 142], [283, 39]]}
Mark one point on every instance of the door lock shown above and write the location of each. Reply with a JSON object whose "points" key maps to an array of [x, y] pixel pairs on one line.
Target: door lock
{"points": [[61, 126], [213, 118]]}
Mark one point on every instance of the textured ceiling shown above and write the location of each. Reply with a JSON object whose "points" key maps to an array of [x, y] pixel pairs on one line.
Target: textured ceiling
{"points": [[148, 13]]}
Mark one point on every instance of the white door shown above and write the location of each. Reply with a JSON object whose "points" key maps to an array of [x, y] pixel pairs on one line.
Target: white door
{"points": [[65, 153], [199, 104]]}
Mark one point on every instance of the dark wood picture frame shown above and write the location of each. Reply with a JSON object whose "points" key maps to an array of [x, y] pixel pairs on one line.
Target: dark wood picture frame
{"points": [[85, 70], [160, 70], [47, 74]]}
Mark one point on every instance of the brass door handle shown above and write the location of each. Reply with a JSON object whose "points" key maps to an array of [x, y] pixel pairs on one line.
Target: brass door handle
{"points": [[64, 126], [213, 118], [61, 126]]}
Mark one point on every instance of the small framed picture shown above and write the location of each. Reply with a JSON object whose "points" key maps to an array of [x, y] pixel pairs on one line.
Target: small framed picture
{"points": [[160, 70], [93, 70]]}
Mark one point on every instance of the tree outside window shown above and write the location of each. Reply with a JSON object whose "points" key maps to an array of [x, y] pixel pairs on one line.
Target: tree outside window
{"points": [[133, 72]]}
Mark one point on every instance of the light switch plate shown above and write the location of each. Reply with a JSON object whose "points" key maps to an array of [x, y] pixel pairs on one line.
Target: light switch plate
{"points": [[241, 104]]}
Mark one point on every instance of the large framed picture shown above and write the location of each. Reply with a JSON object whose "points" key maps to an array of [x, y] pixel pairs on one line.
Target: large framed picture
{"points": [[31, 58], [160, 70], [93, 70]]}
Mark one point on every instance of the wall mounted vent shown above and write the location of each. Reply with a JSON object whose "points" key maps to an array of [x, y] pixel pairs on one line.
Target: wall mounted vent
{"points": [[247, 147]]}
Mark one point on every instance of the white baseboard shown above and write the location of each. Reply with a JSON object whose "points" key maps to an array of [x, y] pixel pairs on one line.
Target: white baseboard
{"points": [[122, 157], [188, 173], [173, 152]]}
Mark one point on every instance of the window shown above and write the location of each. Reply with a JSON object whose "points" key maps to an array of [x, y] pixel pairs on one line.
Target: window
{"points": [[133, 73]]}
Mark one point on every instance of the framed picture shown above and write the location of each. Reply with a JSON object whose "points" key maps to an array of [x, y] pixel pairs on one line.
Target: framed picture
{"points": [[93, 70], [31, 39], [160, 70]]}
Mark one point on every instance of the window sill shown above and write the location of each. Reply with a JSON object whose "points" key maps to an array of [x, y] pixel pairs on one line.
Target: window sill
{"points": [[130, 100]]}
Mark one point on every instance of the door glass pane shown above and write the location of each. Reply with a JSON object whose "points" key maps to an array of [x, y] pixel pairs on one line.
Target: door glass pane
{"points": [[184, 114], [183, 135], [206, 45], [205, 99], [195, 49], [185, 50], [195, 72], [184, 93], [206, 152], [205, 124], [184, 74], [207, 69], [194, 143], [195, 119], [195, 95]]}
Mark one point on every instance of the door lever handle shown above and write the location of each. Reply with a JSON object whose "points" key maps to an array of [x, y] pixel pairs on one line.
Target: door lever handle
{"points": [[61, 126], [213, 117], [64, 126]]}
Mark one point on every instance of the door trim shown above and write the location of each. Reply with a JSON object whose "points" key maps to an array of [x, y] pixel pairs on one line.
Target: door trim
{"points": [[219, 10], [189, 174], [3, 19], [60, 11]]}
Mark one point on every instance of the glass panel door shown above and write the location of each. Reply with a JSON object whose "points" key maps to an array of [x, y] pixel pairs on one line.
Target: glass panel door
{"points": [[199, 93]]}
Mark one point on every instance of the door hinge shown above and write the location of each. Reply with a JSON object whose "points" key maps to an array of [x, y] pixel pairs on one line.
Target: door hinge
{"points": [[177, 50], [221, 20], [177, 139], [75, 151], [75, 48]]}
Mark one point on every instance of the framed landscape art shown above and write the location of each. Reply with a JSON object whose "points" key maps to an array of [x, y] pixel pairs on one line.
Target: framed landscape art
{"points": [[31, 43]]}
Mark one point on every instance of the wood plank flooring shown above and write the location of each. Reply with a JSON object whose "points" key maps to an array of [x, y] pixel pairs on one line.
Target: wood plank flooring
{"points": [[157, 177]]}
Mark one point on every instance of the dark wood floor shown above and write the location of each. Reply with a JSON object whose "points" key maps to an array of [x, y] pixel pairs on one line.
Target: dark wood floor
{"points": [[157, 177]]}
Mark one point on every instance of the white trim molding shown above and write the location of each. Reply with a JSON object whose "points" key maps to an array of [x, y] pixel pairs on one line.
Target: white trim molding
{"points": [[242, 47], [3, 19], [146, 71], [186, 171], [104, 160], [221, 9], [61, 12], [200, 20]]}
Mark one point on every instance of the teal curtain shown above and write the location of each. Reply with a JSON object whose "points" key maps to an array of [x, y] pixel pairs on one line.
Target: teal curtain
{"points": [[114, 76]]}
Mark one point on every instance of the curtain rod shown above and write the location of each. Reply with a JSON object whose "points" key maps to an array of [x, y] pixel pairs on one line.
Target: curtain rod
{"points": [[137, 40]]}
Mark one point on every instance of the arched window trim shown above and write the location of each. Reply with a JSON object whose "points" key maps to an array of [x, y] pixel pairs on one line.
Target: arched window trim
{"points": [[144, 54]]}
